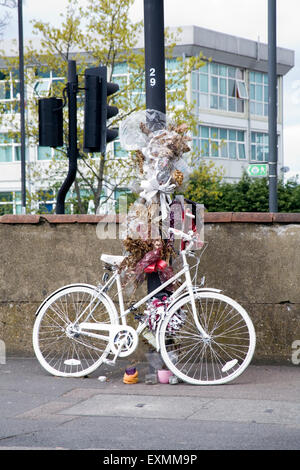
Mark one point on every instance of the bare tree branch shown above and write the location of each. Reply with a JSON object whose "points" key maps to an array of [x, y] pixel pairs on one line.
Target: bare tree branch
{"points": [[5, 19], [9, 3]]}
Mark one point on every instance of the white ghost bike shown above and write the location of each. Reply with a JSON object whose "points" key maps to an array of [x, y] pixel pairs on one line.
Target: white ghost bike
{"points": [[78, 328]]}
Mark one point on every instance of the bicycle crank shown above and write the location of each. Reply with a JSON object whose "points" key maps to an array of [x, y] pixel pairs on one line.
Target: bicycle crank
{"points": [[123, 339], [124, 342]]}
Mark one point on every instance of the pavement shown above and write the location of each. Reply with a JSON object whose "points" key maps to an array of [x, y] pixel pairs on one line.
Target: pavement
{"points": [[39, 411]]}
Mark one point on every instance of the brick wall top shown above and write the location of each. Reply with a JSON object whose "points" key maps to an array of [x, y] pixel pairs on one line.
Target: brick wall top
{"points": [[210, 218]]}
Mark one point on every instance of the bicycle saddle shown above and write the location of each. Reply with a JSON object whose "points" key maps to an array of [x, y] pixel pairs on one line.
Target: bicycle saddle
{"points": [[112, 259]]}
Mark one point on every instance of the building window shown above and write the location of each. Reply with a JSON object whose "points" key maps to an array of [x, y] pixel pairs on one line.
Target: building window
{"points": [[44, 83], [46, 201], [10, 148], [220, 143], [176, 86], [6, 153], [10, 202], [219, 87], [135, 93], [120, 79], [119, 152], [48, 153], [126, 78], [259, 147], [121, 192], [9, 92], [122, 204], [44, 153], [259, 93]]}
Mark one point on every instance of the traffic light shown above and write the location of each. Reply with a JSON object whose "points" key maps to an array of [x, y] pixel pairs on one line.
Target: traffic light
{"points": [[50, 122], [97, 111]]}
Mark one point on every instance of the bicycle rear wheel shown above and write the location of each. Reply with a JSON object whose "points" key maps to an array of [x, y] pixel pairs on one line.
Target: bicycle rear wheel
{"points": [[220, 358], [58, 347]]}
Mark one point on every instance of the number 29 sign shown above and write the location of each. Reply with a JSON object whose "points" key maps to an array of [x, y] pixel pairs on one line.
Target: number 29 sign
{"points": [[152, 75]]}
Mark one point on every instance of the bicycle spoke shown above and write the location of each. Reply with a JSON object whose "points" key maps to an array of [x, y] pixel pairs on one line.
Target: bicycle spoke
{"points": [[219, 357], [59, 345]]}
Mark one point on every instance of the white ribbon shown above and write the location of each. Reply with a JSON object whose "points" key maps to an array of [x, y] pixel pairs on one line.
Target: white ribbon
{"points": [[152, 187]]}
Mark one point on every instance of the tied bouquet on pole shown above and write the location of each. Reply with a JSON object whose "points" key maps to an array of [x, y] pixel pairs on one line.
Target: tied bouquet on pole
{"points": [[158, 148]]}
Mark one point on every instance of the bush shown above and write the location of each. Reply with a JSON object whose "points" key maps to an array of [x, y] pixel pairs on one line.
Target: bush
{"points": [[246, 195]]}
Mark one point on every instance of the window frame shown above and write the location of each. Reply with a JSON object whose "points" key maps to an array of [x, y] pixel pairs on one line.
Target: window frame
{"points": [[14, 94], [210, 140], [256, 144], [254, 102], [15, 202], [46, 80], [219, 78], [15, 146]]}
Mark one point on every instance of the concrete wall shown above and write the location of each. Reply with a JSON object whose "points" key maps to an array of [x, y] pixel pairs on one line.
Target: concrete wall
{"points": [[254, 258]]}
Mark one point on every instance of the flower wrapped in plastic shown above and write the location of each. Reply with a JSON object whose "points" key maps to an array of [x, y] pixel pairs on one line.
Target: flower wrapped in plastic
{"points": [[159, 151], [155, 310], [160, 146], [132, 135], [146, 256]]}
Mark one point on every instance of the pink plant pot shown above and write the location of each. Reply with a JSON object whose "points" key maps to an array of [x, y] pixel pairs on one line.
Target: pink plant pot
{"points": [[163, 376]]}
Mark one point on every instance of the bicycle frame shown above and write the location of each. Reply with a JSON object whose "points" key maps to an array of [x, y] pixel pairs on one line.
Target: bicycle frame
{"points": [[186, 286]]}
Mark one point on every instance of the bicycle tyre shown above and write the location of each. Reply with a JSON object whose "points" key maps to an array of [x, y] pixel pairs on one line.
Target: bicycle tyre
{"points": [[217, 360], [59, 352]]}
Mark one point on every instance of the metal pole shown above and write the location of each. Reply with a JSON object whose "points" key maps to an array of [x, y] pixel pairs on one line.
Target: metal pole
{"points": [[72, 88], [154, 74], [22, 106], [272, 72], [154, 55]]}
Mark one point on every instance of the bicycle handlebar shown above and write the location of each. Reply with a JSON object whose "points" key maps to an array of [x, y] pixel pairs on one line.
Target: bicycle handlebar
{"points": [[182, 234]]}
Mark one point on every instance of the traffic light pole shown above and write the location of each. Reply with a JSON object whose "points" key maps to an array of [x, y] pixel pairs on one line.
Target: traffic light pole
{"points": [[273, 151], [22, 106], [154, 74], [72, 89]]}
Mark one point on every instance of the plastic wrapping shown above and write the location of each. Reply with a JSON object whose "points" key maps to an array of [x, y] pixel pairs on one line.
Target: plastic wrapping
{"points": [[160, 147], [137, 221], [131, 135], [155, 310]]}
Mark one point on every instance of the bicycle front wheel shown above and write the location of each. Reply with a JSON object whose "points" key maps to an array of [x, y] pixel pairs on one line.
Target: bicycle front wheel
{"points": [[221, 357], [58, 347]]}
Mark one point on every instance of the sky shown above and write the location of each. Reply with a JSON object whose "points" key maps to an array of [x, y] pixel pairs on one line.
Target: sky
{"points": [[244, 18]]}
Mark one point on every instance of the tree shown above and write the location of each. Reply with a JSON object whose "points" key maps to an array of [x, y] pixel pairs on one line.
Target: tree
{"points": [[104, 34], [289, 196], [204, 185]]}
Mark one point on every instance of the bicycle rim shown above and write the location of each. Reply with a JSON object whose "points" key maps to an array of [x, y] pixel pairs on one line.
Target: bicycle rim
{"points": [[218, 359], [57, 348]]}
